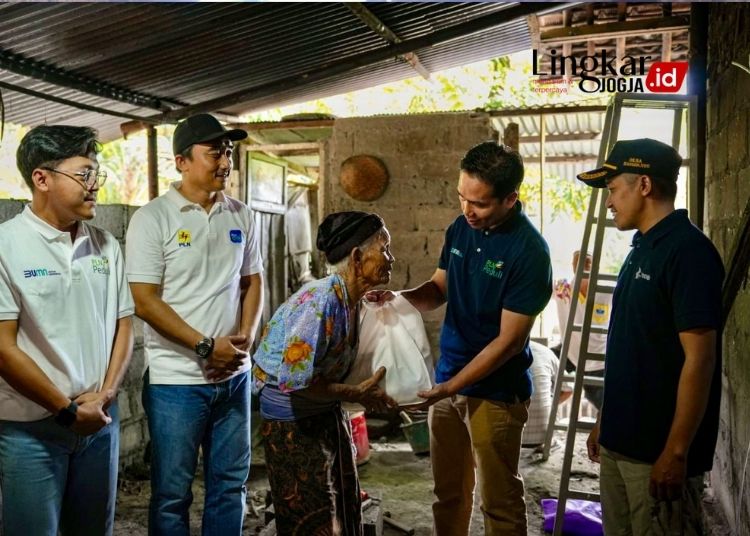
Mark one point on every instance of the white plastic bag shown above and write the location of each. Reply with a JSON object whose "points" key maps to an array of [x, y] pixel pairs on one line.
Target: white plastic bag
{"points": [[392, 335]]}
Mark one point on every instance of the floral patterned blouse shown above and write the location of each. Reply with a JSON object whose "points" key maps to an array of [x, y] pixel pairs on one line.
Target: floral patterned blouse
{"points": [[306, 339]]}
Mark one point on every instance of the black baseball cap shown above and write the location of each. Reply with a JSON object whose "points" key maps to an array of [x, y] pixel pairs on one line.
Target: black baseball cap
{"points": [[644, 157], [202, 128]]}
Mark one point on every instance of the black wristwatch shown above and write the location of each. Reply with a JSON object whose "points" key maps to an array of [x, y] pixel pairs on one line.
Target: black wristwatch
{"points": [[205, 347], [67, 416]]}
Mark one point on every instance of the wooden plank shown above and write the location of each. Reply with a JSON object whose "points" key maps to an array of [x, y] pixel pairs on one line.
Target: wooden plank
{"points": [[301, 148], [572, 159], [510, 136], [285, 125], [560, 137], [518, 112], [379, 27], [153, 162], [533, 22], [666, 46], [615, 29]]}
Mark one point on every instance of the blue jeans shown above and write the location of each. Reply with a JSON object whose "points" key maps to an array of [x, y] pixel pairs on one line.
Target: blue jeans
{"points": [[53, 479], [182, 418]]}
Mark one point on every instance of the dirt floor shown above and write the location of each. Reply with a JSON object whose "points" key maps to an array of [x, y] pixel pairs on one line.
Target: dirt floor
{"points": [[403, 481]]}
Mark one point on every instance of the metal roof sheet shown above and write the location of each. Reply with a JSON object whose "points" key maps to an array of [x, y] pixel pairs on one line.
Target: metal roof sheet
{"points": [[189, 53]]}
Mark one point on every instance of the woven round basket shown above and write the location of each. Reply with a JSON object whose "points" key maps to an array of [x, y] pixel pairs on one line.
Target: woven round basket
{"points": [[363, 177]]}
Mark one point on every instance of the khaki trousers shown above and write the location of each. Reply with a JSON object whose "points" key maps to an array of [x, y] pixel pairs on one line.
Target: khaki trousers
{"points": [[468, 435], [629, 510]]}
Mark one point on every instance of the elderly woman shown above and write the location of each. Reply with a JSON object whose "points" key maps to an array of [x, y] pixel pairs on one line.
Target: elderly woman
{"points": [[305, 352]]}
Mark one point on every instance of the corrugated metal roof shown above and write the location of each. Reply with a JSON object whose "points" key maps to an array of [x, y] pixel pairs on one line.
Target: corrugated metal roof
{"points": [[571, 139], [188, 53]]}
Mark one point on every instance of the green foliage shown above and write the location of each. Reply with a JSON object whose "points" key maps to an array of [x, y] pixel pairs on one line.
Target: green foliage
{"points": [[126, 164], [561, 196], [12, 185]]}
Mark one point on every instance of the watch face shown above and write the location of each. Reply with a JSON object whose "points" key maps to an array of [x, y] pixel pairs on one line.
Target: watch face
{"points": [[203, 348], [66, 417]]}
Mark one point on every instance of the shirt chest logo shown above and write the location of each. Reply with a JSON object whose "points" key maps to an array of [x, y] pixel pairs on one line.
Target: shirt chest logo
{"points": [[493, 269], [641, 275], [184, 239], [39, 272], [601, 313], [100, 265], [235, 236], [456, 252]]}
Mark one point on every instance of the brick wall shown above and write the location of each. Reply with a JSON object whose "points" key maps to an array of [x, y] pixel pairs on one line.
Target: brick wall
{"points": [[422, 154], [728, 191]]}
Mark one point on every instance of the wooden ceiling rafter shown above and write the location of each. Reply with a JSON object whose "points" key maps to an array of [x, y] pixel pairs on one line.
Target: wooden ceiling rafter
{"points": [[380, 28]]}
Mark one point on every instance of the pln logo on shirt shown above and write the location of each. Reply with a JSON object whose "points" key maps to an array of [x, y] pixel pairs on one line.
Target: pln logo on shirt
{"points": [[183, 238], [601, 313], [100, 265]]}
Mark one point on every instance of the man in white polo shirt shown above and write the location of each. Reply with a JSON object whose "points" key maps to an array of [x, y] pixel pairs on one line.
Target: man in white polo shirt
{"points": [[195, 273], [65, 342]]}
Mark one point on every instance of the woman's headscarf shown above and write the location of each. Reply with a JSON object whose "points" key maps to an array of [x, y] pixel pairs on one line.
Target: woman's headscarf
{"points": [[341, 232]]}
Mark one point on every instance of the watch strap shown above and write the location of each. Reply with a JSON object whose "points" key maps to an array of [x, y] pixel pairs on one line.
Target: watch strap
{"points": [[67, 416]]}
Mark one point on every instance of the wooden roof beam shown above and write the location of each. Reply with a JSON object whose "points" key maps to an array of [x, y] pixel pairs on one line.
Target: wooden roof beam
{"points": [[285, 148], [571, 159], [579, 136], [379, 27], [615, 29], [517, 112], [296, 124], [18, 64]]}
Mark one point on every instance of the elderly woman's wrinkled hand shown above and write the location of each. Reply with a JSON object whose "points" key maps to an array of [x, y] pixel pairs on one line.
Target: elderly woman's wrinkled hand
{"points": [[226, 358], [372, 396]]}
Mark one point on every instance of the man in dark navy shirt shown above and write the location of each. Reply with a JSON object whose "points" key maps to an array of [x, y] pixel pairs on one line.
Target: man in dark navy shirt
{"points": [[660, 417], [495, 275]]}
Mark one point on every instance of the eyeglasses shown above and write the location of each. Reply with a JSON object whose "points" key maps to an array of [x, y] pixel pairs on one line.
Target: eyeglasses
{"points": [[90, 177]]}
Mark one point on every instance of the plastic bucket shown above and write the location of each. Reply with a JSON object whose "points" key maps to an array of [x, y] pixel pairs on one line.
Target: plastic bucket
{"points": [[418, 435], [359, 437]]}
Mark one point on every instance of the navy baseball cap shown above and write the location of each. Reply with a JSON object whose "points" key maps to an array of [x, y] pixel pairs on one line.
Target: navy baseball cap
{"points": [[202, 128], [644, 157]]}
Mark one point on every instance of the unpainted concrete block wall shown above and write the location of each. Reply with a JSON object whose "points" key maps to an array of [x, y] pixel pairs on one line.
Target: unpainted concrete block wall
{"points": [[133, 431], [422, 155], [728, 192]]}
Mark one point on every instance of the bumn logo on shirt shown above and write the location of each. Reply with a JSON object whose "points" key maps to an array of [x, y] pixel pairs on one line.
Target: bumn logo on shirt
{"points": [[39, 272], [183, 238]]}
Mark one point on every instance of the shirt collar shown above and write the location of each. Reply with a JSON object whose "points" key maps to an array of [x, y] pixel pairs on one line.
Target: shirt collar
{"points": [[662, 228], [516, 213], [49, 232], [174, 195]]}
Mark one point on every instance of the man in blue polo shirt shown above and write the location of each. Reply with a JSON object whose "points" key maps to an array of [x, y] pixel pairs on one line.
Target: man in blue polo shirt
{"points": [[660, 416], [495, 274]]}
